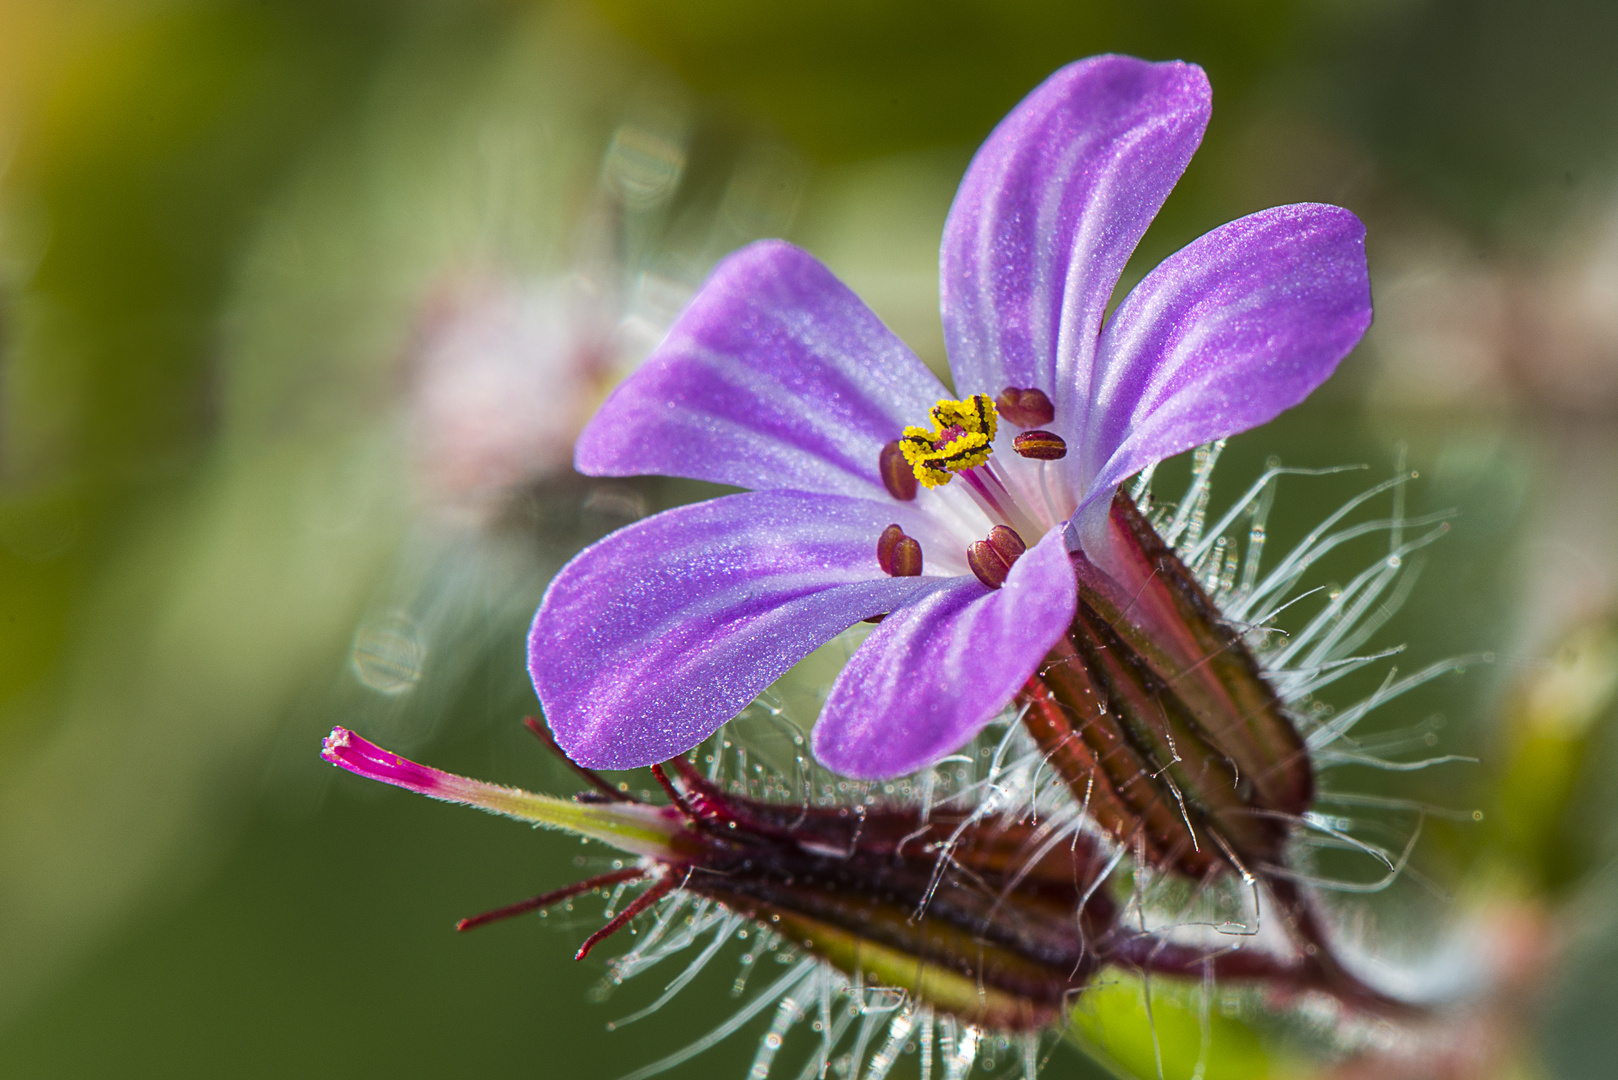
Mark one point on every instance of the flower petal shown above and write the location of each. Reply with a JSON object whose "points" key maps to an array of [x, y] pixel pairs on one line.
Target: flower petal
{"points": [[649, 640], [1050, 210], [1225, 334], [932, 675], [776, 376]]}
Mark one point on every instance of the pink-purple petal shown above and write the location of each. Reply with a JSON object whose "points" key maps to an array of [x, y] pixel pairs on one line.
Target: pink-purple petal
{"points": [[1222, 336], [931, 676], [646, 642], [775, 377], [1050, 210]]}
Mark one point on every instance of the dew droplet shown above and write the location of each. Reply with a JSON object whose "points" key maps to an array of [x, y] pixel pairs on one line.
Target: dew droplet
{"points": [[389, 653]]}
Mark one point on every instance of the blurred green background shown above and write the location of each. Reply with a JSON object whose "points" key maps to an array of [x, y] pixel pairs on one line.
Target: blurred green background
{"points": [[302, 302]]}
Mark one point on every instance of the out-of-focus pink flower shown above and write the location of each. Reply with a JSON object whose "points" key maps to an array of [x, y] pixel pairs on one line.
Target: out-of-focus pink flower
{"points": [[1461, 327], [505, 373]]}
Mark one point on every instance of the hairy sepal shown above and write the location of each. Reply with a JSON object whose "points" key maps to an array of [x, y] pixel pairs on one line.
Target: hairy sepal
{"points": [[1157, 716]]}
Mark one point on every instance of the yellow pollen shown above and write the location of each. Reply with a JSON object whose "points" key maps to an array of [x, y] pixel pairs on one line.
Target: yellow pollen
{"points": [[962, 434]]}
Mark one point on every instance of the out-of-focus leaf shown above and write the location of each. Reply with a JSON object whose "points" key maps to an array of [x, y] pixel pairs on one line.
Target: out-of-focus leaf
{"points": [[1166, 1033]]}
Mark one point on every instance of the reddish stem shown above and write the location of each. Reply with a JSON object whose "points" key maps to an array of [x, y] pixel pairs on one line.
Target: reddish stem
{"points": [[1326, 972], [705, 803], [1146, 953], [676, 796], [543, 734], [645, 900], [545, 900], [1317, 969]]}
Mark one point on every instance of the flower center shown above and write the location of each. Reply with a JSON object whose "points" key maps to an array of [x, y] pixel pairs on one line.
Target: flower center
{"points": [[1014, 495]]}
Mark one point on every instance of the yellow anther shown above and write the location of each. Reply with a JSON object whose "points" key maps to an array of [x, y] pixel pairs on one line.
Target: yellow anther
{"points": [[962, 434]]}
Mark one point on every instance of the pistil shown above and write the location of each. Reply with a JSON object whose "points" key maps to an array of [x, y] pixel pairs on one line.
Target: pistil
{"points": [[962, 438], [961, 444]]}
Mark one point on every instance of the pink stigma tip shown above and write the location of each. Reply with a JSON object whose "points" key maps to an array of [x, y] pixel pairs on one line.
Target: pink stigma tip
{"points": [[364, 758]]}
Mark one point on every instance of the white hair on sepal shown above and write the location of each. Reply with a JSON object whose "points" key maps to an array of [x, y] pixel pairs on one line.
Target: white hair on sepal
{"points": [[1325, 649], [854, 1031]]}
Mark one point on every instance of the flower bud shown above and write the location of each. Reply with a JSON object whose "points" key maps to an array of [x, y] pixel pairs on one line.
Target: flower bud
{"points": [[1155, 712], [973, 915]]}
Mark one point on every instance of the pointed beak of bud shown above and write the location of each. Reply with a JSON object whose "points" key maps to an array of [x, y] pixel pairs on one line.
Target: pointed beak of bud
{"points": [[635, 828]]}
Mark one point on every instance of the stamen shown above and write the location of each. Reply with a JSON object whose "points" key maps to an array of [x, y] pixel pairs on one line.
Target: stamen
{"points": [[885, 544], [1045, 493], [1040, 445], [991, 559], [1009, 509], [1027, 407], [987, 565], [1006, 543], [897, 554], [897, 475], [907, 558]]}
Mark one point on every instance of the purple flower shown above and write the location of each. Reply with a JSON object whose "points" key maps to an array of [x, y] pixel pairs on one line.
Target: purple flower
{"points": [[874, 491]]}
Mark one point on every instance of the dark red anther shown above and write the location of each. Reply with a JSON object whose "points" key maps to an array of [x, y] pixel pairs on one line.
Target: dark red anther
{"points": [[1040, 445], [906, 558], [1026, 407], [987, 564], [885, 545], [897, 475], [1006, 543], [991, 559], [897, 554]]}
